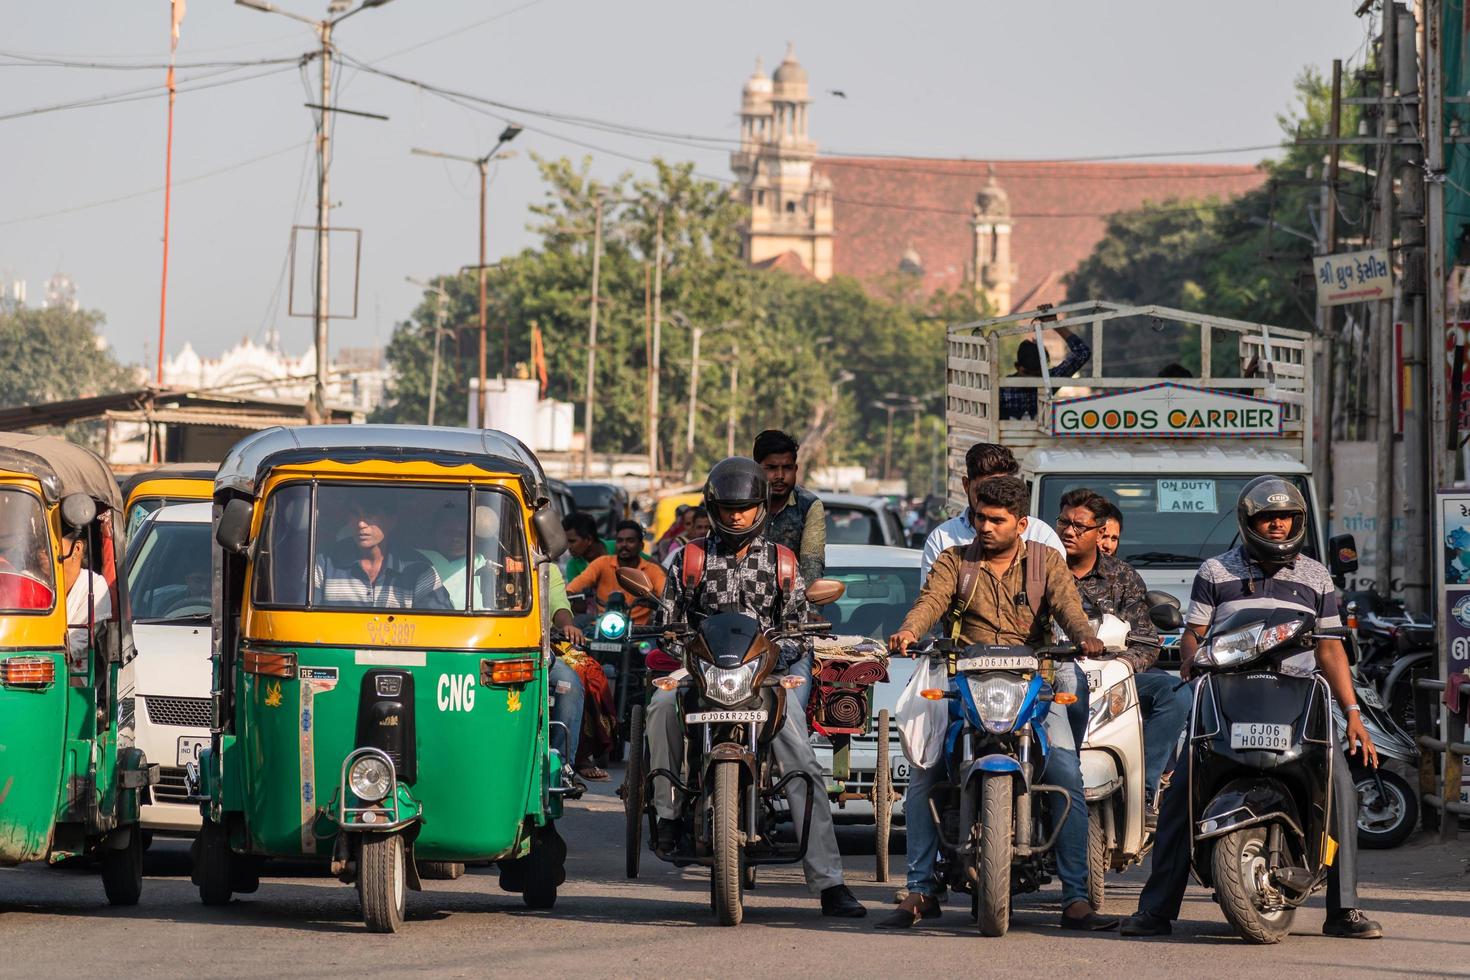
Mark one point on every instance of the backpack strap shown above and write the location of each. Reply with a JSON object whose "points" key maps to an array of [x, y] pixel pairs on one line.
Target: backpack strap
{"points": [[786, 567], [965, 590], [691, 564], [1036, 575]]}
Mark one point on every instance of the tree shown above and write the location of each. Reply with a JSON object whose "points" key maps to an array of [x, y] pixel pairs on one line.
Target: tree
{"points": [[51, 355]]}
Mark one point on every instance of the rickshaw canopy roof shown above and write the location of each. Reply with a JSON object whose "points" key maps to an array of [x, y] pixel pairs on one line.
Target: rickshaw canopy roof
{"points": [[170, 471], [62, 467], [253, 457]]}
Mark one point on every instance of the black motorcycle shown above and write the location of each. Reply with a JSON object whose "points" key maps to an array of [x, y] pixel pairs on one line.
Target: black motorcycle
{"points": [[1395, 648], [1260, 771], [622, 649], [732, 707]]}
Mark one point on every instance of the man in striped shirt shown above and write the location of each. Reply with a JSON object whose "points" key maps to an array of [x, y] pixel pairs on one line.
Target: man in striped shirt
{"points": [[367, 571]]}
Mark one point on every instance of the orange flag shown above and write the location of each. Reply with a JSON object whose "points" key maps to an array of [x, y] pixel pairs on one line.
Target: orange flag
{"points": [[177, 15]]}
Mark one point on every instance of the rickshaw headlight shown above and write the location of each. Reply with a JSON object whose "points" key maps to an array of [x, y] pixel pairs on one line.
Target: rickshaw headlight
{"points": [[729, 686], [370, 778]]}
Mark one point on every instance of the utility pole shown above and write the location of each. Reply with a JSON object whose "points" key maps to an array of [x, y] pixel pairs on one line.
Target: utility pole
{"points": [[587, 412], [654, 363], [1382, 341], [1327, 319], [1442, 453], [734, 399], [697, 333], [890, 408], [439, 315]]}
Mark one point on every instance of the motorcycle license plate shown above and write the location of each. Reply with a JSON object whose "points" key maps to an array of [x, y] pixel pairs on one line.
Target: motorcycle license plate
{"points": [[189, 748], [1259, 735], [605, 646], [706, 717], [1369, 697], [1094, 680], [996, 663]]}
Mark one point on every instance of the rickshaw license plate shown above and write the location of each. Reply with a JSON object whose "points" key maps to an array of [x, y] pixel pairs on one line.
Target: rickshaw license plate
{"points": [[1258, 735], [996, 663], [705, 717], [605, 646], [189, 748]]}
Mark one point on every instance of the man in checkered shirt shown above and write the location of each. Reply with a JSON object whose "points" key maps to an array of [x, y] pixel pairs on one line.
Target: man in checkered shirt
{"points": [[741, 573]]}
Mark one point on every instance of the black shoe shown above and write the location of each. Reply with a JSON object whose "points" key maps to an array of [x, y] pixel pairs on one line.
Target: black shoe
{"points": [[666, 835], [838, 901], [915, 906], [1351, 924], [1151, 814], [1091, 922], [1144, 924]]}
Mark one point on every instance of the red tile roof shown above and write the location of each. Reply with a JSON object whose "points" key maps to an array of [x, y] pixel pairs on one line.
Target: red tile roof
{"points": [[884, 205], [789, 262]]}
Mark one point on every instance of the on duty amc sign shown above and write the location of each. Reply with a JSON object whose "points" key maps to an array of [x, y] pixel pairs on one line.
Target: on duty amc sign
{"points": [[1167, 411]]}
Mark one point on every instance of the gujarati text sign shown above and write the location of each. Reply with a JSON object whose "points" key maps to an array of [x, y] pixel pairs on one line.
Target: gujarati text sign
{"points": [[1167, 410], [1353, 277]]}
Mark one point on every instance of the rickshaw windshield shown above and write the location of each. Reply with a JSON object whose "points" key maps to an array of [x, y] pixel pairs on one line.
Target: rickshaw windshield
{"points": [[25, 554], [432, 549]]}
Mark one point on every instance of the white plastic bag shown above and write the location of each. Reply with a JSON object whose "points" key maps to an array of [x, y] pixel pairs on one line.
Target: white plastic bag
{"points": [[921, 722]]}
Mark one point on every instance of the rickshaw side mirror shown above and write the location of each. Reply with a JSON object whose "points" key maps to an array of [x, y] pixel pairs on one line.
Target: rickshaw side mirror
{"points": [[1342, 554], [233, 532], [824, 591], [552, 535], [1166, 616], [635, 583], [78, 510]]}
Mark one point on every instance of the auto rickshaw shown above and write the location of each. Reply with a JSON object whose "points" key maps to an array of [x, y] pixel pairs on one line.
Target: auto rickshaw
{"points": [[171, 483], [69, 782], [380, 660]]}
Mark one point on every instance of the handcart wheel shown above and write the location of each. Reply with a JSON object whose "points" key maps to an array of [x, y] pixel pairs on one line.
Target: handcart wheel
{"points": [[633, 794], [882, 799]]}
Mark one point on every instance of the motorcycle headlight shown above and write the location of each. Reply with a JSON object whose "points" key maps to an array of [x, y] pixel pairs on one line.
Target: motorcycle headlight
{"points": [[370, 778], [729, 686], [1231, 649], [612, 625], [998, 699], [1113, 702]]}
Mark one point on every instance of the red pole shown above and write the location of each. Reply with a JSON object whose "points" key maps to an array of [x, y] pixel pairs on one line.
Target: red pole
{"points": [[168, 181]]}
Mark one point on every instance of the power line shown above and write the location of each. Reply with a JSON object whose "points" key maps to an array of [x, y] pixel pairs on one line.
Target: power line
{"points": [[40, 61], [456, 32], [144, 93]]}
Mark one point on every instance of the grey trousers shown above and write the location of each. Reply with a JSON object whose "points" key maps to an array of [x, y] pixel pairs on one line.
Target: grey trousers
{"points": [[792, 749]]}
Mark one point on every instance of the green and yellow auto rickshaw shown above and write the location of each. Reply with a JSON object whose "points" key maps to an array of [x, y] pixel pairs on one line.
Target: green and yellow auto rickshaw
{"points": [[69, 782], [170, 483], [380, 662]]}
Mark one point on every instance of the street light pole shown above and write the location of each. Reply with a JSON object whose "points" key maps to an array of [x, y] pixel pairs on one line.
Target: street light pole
{"points": [[734, 398], [587, 412], [887, 439], [438, 333]]}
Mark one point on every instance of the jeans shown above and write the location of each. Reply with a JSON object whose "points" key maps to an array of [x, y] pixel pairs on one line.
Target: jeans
{"points": [[1063, 769], [1164, 711], [802, 694], [566, 707]]}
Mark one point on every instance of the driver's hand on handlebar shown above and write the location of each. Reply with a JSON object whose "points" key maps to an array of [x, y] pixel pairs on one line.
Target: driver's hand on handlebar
{"points": [[1092, 648], [574, 635], [898, 643], [1357, 739]]}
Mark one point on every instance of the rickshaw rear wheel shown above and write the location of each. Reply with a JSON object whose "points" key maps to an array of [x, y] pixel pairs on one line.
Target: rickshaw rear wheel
{"points": [[633, 795], [381, 884], [212, 864], [441, 870], [882, 800], [545, 868], [122, 870]]}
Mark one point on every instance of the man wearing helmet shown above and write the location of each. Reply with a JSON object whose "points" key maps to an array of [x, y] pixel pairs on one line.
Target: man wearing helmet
{"points": [[737, 569], [1267, 568]]}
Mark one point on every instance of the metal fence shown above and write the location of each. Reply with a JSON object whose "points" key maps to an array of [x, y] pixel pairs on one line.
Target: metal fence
{"points": [[1442, 761]]}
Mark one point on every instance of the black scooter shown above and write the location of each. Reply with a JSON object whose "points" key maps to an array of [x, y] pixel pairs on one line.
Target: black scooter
{"points": [[1260, 771]]}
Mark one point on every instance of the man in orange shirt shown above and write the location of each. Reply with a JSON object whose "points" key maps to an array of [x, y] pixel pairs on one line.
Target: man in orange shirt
{"points": [[601, 574]]}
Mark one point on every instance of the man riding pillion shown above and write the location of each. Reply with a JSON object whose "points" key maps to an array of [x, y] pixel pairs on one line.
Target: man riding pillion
{"points": [[1110, 585], [1267, 568], [996, 611], [742, 573]]}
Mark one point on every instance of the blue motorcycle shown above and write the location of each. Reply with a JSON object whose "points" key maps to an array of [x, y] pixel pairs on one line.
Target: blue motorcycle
{"points": [[993, 838]]}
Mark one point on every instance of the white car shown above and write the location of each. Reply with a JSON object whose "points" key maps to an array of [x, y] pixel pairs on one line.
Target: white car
{"points": [[169, 680], [882, 584]]}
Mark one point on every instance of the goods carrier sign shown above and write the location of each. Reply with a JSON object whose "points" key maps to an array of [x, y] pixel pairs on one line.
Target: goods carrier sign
{"points": [[1167, 411]]}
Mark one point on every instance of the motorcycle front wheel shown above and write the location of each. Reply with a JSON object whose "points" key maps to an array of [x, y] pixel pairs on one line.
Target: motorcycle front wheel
{"points": [[727, 872], [1239, 863], [993, 856]]}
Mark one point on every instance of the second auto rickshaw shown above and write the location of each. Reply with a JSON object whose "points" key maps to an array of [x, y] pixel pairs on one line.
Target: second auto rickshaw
{"points": [[380, 662]]}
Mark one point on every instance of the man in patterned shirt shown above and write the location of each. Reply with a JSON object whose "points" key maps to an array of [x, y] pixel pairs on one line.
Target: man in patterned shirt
{"points": [[1020, 403], [1110, 585], [742, 573]]}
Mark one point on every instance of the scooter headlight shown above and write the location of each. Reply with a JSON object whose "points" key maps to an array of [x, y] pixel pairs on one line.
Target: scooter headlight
{"points": [[612, 625], [1114, 701], [729, 686], [370, 778], [998, 699], [1231, 649]]}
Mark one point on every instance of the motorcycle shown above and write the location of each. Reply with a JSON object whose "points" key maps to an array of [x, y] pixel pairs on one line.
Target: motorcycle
{"points": [[1260, 764], [614, 641], [732, 708], [1388, 801], [1395, 647]]}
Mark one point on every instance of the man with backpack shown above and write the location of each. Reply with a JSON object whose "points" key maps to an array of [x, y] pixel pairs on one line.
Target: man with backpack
{"points": [[738, 569], [1002, 590]]}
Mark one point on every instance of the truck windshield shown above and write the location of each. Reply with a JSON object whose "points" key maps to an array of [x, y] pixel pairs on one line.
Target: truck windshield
{"points": [[1169, 521]]}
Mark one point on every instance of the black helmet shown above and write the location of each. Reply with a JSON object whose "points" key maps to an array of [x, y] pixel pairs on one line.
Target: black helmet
{"points": [[736, 482], [1271, 495]]}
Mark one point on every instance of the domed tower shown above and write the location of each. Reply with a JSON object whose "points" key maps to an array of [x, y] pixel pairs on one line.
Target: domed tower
{"points": [[790, 205], [994, 273]]}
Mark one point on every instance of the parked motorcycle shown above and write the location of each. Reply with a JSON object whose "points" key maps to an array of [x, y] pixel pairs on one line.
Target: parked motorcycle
{"points": [[1260, 771], [1395, 647], [733, 707], [1388, 803]]}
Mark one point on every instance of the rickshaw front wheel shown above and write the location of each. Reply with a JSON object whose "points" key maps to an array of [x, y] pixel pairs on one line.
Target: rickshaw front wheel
{"points": [[441, 870], [381, 882], [122, 870], [213, 870]]}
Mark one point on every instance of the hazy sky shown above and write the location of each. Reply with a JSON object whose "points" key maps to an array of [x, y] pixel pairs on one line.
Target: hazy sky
{"points": [[980, 79]]}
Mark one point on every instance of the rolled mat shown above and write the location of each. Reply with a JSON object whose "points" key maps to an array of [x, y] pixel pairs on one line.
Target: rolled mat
{"points": [[865, 673], [844, 709]]}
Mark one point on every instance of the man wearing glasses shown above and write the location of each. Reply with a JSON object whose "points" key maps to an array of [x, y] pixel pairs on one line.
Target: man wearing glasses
{"points": [[1110, 585]]}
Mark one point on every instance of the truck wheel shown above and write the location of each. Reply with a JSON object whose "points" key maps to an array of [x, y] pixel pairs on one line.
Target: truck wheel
{"points": [[1385, 819], [381, 884], [122, 870], [729, 856], [546, 868], [212, 864], [882, 800], [633, 795], [993, 856], [441, 870], [1097, 857], [1239, 862]]}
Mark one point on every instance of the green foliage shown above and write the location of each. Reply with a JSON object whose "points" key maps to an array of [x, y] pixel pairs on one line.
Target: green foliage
{"points": [[54, 355]]}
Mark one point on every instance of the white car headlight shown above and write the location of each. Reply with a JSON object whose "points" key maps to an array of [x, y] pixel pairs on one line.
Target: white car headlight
{"points": [[998, 699], [370, 778], [729, 686], [1232, 649]]}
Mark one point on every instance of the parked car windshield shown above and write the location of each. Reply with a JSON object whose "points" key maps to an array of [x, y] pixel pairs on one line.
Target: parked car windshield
{"points": [[168, 573], [876, 600], [849, 524]]}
